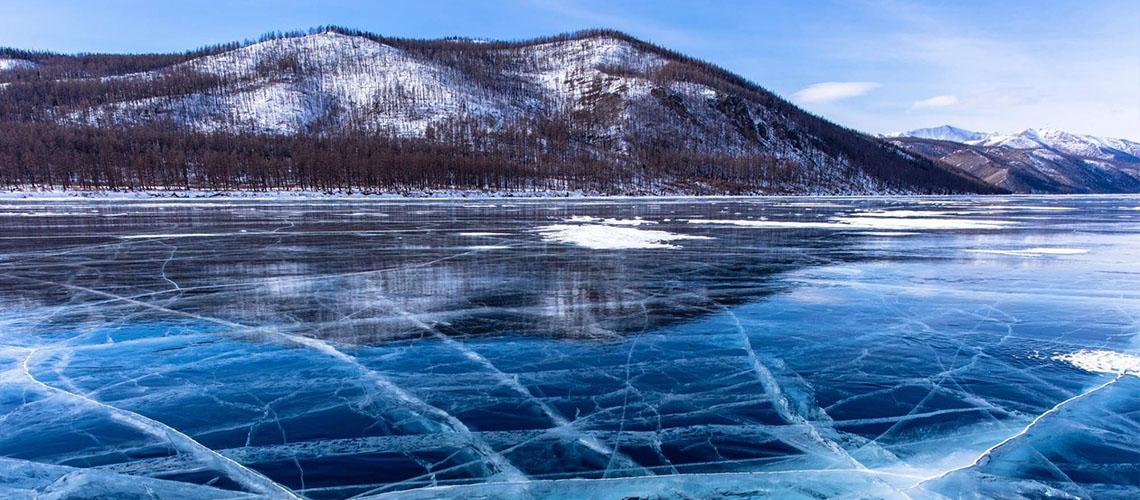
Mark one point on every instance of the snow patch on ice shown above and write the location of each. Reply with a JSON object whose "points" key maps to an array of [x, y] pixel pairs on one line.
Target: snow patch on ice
{"points": [[174, 235], [905, 224], [1032, 252], [1102, 361], [481, 234], [365, 214], [47, 214], [880, 223], [766, 223], [608, 237], [1024, 207], [903, 213]]}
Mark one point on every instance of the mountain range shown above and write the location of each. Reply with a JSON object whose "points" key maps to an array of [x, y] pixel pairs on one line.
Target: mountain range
{"points": [[1041, 160], [339, 109]]}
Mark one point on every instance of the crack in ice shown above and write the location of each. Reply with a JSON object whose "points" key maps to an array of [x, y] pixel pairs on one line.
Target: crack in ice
{"points": [[416, 404], [780, 401], [248, 478], [989, 451]]}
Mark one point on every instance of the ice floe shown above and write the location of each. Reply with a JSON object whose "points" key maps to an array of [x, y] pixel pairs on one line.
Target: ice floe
{"points": [[607, 237]]}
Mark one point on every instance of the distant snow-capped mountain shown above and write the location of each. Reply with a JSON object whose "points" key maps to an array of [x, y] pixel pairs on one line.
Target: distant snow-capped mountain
{"points": [[943, 133], [1087, 146], [1032, 160], [1050, 138]]}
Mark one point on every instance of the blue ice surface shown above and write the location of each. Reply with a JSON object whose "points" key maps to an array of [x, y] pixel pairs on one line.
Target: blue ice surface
{"points": [[221, 349]]}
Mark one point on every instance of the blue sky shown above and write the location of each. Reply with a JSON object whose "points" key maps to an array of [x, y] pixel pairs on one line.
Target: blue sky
{"points": [[877, 66]]}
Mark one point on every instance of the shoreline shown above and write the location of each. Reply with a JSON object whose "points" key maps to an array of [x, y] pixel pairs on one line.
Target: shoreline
{"points": [[298, 195]]}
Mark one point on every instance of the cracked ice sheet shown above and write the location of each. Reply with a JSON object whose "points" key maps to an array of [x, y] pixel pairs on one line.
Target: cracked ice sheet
{"points": [[751, 363]]}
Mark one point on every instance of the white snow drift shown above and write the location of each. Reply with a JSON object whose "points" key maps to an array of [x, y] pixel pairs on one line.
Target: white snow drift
{"points": [[1032, 252], [876, 222], [611, 237], [1102, 361]]}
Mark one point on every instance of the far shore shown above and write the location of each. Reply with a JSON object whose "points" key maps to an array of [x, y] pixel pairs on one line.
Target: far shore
{"points": [[300, 195]]}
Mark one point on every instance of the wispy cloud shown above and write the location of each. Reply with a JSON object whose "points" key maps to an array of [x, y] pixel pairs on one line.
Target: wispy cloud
{"points": [[1003, 80], [938, 101], [833, 91]]}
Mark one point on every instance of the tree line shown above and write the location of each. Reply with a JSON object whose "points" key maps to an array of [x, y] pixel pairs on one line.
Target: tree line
{"points": [[53, 156]]}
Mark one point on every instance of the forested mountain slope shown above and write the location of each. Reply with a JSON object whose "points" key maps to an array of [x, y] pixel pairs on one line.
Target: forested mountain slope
{"points": [[337, 109]]}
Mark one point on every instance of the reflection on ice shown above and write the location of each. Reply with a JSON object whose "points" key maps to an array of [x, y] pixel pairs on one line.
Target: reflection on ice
{"points": [[492, 351]]}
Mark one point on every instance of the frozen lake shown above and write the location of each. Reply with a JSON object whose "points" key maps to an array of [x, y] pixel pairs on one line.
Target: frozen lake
{"points": [[790, 347]]}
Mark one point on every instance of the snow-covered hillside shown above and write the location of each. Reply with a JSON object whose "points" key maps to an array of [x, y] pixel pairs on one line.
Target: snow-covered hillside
{"points": [[602, 96], [296, 84]]}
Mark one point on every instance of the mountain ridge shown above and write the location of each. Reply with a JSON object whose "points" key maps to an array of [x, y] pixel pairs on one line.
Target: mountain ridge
{"points": [[631, 116], [1033, 160], [941, 133]]}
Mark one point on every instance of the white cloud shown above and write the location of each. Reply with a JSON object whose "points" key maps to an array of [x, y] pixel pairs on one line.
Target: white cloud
{"points": [[1007, 82], [938, 101], [833, 91]]}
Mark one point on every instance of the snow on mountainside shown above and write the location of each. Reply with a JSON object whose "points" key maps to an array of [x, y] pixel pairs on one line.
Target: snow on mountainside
{"points": [[1033, 160], [340, 72], [10, 64], [351, 79], [590, 97], [1079, 145]]}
